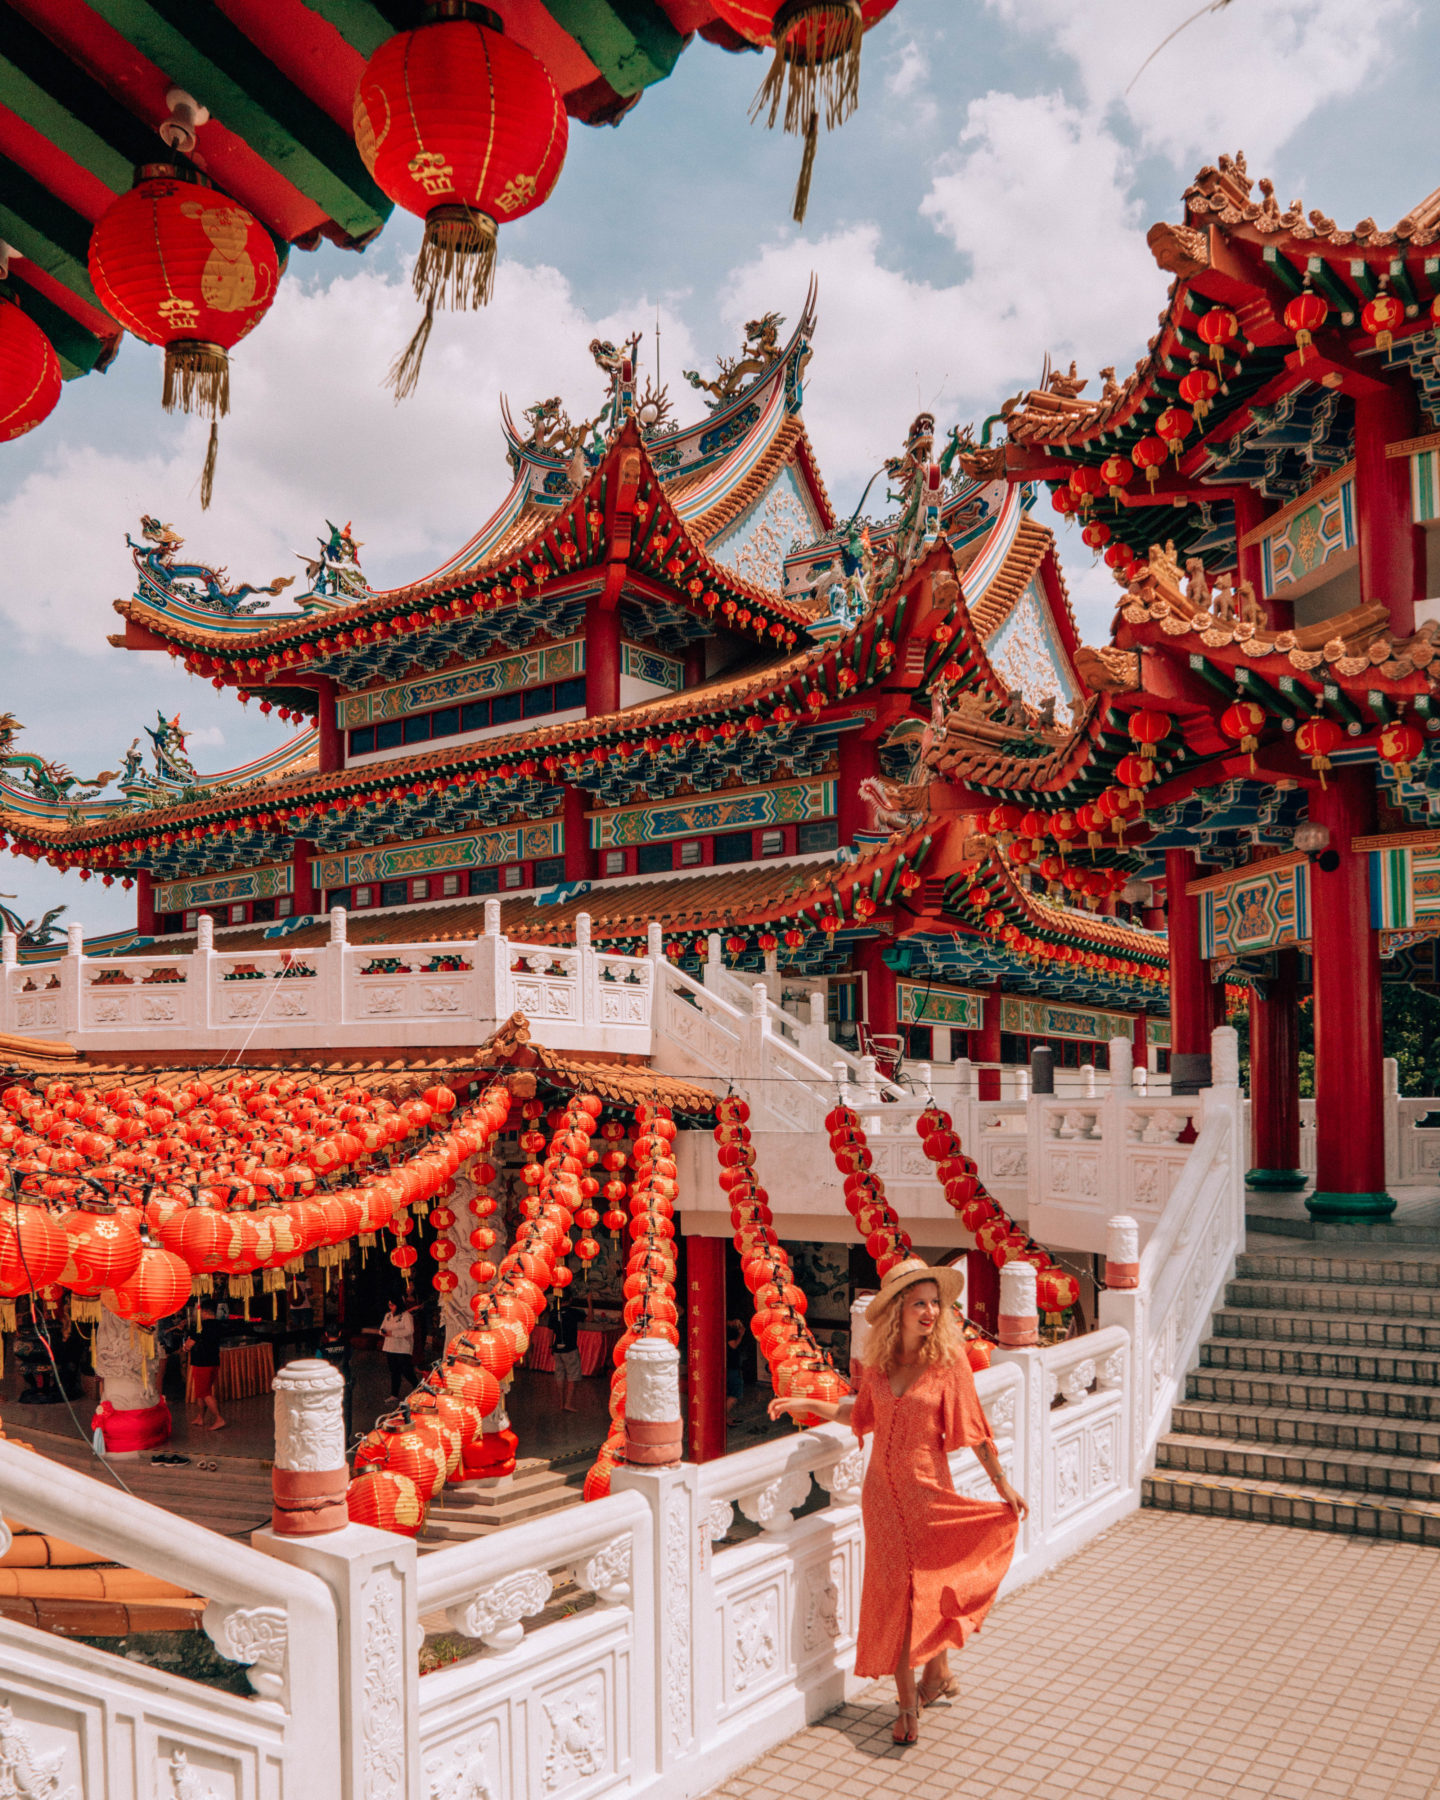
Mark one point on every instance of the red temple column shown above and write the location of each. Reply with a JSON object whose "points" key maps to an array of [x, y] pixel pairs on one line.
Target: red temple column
{"points": [[858, 760], [694, 666], [307, 897], [1345, 953], [1192, 993], [1275, 1079], [985, 1048], [705, 1346], [331, 748], [145, 903], [602, 659], [1392, 563], [1250, 510], [579, 857], [1140, 1043]]}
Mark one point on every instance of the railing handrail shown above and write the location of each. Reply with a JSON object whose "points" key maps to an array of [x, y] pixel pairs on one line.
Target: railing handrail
{"points": [[743, 1471]]}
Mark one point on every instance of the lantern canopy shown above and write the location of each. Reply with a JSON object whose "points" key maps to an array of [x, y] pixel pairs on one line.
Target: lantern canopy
{"points": [[464, 128]]}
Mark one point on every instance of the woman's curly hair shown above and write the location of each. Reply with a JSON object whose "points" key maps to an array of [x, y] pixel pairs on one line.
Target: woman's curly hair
{"points": [[944, 1345]]}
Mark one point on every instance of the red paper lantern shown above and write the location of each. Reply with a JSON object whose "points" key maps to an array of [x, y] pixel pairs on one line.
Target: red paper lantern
{"points": [[1305, 314], [1174, 425], [29, 372], [1117, 472], [1316, 738], [181, 265], [1382, 317], [159, 1287], [1400, 746], [1218, 328], [464, 128], [1149, 455], [1198, 389], [1096, 534], [1244, 721], [1149, 728], [1133, 772]]}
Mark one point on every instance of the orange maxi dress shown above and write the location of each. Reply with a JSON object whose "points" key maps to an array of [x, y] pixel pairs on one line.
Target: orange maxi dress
{"points": [[924, 1541]]}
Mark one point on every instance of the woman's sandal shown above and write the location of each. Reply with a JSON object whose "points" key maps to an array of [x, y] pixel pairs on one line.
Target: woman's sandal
{"points": [[946, 1690], [902, 1733]]}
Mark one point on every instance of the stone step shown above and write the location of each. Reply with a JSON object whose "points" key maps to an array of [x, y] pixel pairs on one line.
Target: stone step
{"points": [[1340, 1331], [1358, 1471], [1350, 1300], [1366, 1271], [454, 1527], [1313, 1393], [470, 1497], [1283, 1429], [1387, 1233], [1285, 1503], [1411, 1368]]}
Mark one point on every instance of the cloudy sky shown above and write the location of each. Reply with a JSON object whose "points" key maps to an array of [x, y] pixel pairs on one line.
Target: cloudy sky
{"points": [[988, 204]]}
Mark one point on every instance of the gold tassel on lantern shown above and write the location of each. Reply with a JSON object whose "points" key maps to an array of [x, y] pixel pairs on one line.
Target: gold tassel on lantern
{"points": [[85, 1309], [197, 379], [816, 67], [455, 269]]}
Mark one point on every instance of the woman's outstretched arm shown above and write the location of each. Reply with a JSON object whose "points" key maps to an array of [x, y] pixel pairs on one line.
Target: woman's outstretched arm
{"points": [[835, 1412]]}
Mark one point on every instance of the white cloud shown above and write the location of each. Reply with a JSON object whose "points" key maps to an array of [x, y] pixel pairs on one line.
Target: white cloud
{"points": [[1240, 77], [313, 435], [1035, 198], [907, 79], [204, 737]]}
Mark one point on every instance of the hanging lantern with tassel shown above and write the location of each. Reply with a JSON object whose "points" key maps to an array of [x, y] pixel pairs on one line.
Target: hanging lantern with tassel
{"points": [[816, 66], [463, 127], [181, 265], [1317, 738]]}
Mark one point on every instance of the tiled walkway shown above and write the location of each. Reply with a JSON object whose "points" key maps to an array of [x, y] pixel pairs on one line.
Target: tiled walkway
{"points": [[1177, 1658]]}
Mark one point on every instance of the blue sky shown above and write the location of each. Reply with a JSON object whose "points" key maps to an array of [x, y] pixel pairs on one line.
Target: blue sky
{"points": [[988, 204]]}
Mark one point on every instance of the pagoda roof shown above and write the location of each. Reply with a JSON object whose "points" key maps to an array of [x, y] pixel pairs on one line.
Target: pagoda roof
{"points": [[621, 528], [1275, 422]]}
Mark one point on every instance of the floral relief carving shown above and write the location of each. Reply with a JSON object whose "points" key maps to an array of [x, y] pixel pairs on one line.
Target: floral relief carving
{"points": [[494, 1616], [822, 1604], [773, 1506], [384, 1688], [255, 1635], [1101, 1458], [1008, 1163], [1023, 658], [754, 1650], [607, 1573], [440, 999], [718, 1517], [26, 1772], [678, 1697], [158, 1009], [1077, 1382], [185, 1783], [1112, 1370], [1001, 1414], [844, 1479], [1067, 1474], [575, 1735], [462, 1772]]}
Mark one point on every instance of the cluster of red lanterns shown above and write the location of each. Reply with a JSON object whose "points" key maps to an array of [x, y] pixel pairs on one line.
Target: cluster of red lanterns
{"points": [[650, 1306], [134, 1201], [995, 1233], [796, 1361]]}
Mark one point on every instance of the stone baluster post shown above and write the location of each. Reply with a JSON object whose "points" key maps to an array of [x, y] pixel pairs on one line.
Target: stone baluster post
{"points": [[9, 961], [585, 971], [72, 975], [714, 961], [202, 972], [842, 1080], [654, 1421], [1019, 1316], [333, 958], [1087, 1081], [1122, 1252], [309, 1475], [1022, 1084], [492, 973]]}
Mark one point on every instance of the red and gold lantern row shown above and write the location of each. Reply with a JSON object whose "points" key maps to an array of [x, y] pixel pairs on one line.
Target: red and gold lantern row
{"points": [[1198, 390], [29, 372], [464, 128], [650, 1304], [980, 1213], [226, 1181], [185, 267], [797, 1363], [1117, 472], [816, 65], [865, 1201]]}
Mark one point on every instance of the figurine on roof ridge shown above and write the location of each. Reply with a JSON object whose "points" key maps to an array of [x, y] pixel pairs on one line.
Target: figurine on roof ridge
{"points": [[761, 352], [197, 584]]}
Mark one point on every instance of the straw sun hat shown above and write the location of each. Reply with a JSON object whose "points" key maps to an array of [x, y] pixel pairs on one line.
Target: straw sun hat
{"points": [[905, 1275]]}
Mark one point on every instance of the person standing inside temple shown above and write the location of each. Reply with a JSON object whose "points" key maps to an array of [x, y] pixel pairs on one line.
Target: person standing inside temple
{"points": [[397, 1341], [933, 1559], [734, 1365], [567, 1348], [204, 1348]]}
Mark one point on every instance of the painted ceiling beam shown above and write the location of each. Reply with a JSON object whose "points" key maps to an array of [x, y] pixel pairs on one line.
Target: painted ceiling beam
{"points": [[54, 236], [42, 86], [202, 51]]}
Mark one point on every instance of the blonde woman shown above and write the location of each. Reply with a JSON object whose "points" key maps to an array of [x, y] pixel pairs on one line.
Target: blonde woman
{"points": [[933, 1559]]}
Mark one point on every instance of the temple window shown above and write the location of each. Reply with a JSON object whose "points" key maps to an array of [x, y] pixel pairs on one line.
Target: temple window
{"points": [[473, 715], [513, 876], [484, 881], [692, 854], [614, 863], [817, 834], [653, 859], [192, 919], [449, 885], [284, 907], [920, 1042], [237, 914], [262, 912], [420, 888], [364, 896], [772, 843], [549, 872], [734, 846]]}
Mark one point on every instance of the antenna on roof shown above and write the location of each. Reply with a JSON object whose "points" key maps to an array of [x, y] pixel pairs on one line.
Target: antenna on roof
{"points": [[1211, 6], [657, 344]]}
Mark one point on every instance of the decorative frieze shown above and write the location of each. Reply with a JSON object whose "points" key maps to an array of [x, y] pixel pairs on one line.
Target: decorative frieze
{"points": [[218, 890], [1039, 1018], [790, 803], [1259, 908], [641, 664], [478, 850], [932, 1003], [1297, 542], [473, 681]]}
